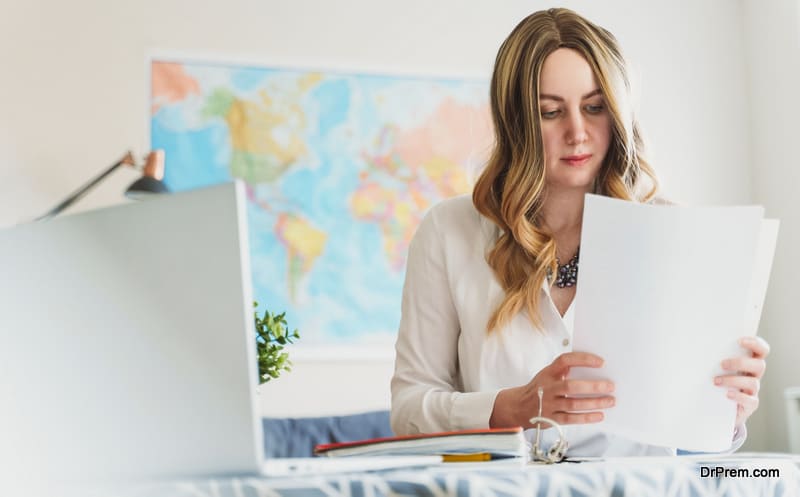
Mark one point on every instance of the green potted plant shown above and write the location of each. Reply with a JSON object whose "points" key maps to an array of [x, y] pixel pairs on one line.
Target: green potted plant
{"points": [[272, 335]]}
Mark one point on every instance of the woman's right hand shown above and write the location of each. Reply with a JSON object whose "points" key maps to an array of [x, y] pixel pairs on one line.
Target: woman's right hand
{"points": [[516, 406]]}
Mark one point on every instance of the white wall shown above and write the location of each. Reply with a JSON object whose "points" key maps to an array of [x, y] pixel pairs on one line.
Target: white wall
{"points": [[772, 31], [74, 91]]}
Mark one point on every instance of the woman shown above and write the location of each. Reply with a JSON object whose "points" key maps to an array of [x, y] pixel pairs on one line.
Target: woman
{"points": [[487, 304]]}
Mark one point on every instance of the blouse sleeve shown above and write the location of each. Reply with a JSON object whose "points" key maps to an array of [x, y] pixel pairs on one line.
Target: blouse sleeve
{"points": [[425, 396]]}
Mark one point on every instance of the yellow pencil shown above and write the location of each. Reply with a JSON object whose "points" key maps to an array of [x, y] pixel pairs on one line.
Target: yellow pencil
{"points": [[475, 457]]}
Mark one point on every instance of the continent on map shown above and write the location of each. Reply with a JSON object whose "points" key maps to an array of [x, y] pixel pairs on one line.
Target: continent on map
{"points": [[396, 212], [170, 84], [409, 170], [303, 243], [267, 137]]}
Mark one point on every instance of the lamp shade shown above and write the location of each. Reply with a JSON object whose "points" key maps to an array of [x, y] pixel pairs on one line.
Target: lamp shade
{"points": [[145, 186], [152, 178]]}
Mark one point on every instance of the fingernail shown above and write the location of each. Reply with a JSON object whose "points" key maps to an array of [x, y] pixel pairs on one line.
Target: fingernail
{"points": [[726, 364], [731, 394], [718, 381], [745, 341], [609, 387]]}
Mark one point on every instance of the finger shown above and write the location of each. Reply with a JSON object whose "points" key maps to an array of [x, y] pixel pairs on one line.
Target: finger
{"points": [[585, 387], [756, 345], [748, 384], [571, 405], [575, 418], [568, 360], [746, 365], [748, 403]]}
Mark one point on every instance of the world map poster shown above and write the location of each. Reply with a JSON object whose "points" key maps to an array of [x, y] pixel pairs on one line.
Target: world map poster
{"points": [[340, 168]]}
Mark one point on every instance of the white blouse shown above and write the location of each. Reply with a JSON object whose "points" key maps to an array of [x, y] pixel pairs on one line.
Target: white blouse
{"points": [[448, 370]]}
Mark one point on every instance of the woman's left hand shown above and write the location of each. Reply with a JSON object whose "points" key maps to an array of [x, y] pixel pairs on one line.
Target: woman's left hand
{"points": [[744, 379]]}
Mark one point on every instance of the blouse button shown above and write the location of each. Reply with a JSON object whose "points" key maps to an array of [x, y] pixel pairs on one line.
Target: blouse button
{"points": [[565, 342]]}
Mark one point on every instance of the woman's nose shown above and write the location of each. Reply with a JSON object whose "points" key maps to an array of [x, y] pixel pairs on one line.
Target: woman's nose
{"points": [[576, 131]]}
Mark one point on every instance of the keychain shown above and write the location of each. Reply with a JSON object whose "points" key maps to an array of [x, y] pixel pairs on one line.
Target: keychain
{"points": [[558, 450]]}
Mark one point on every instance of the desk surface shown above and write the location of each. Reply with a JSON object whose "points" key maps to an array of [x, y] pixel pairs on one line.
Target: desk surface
{"points": [[640, 477]]}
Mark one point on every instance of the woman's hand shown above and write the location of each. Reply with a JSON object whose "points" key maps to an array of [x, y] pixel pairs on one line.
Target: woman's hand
{"points": [[745, 379], [516, 406]]}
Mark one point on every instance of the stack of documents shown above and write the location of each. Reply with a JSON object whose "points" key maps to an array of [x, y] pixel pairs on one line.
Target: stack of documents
{"points": [[663, 295]]}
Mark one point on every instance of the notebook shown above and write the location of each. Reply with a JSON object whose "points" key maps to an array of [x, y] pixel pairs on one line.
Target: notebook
{"points": [[462, 445], [127, 346]]}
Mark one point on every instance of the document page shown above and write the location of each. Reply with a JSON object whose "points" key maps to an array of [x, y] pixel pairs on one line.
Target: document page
{"points": [[663, 294]]}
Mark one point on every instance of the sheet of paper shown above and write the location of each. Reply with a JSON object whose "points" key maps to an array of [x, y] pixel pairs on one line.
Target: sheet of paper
{"points": [[663, 295], [765, 250]]}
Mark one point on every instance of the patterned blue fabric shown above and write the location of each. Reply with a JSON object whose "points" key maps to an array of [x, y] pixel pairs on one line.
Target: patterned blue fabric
{"points": [[635, 477], [296, 437]]}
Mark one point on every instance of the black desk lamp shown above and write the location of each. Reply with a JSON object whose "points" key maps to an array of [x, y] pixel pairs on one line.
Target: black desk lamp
{"points": [[150, 182]]}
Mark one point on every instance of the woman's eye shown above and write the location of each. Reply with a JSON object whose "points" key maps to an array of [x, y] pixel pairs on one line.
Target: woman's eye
{"points": [[550, 114], [594, 109]]}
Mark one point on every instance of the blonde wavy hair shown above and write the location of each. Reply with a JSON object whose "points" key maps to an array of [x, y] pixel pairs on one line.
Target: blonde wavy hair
{"points": [[511, 189]]}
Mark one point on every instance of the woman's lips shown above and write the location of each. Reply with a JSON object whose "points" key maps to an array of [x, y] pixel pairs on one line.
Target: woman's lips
{"points": [[577, 160]]}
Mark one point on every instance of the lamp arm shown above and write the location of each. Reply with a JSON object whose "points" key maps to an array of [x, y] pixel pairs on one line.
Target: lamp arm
{"points": [[80, 192]]}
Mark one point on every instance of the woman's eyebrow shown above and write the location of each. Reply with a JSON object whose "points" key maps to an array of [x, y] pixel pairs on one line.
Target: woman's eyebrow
{"points": [[543, 96]]}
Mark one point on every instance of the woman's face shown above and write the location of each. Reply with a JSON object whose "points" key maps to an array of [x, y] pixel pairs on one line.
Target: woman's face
{"points": [[576, 124]]}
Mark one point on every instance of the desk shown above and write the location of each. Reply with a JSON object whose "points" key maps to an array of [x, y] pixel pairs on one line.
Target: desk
{"points": [[640, 477]]}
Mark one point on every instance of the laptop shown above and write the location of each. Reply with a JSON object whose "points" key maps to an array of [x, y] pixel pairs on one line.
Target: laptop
{"points": [[127, 347]]}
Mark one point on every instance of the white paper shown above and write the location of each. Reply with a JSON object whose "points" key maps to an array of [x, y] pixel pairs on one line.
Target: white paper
{"points": [[760, 280], [663, 295]]}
